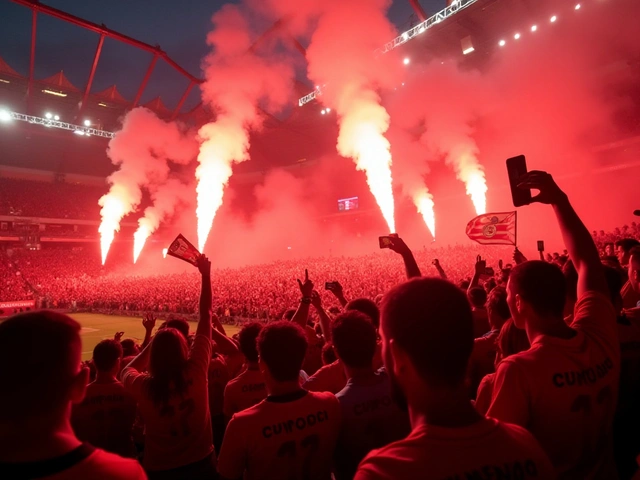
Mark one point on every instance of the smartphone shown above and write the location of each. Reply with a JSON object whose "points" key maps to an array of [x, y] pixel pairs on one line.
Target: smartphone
{"points": [[541, 245], [329, 285], [516, 168], [387, 241]]}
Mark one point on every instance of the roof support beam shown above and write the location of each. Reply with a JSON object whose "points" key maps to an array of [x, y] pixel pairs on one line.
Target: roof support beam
{"points": [[186, 93], [418, 9], [87, 89], [145, 80]]}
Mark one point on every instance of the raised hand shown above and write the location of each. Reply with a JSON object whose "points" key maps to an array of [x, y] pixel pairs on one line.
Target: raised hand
{"points": [[316, 301], [550, 193], [481, 265], [149, 322], [500, 264], [118, 336], [306, 288], [336, 289], [435, 262], [518, 257], [204, 265], [397, 245]]}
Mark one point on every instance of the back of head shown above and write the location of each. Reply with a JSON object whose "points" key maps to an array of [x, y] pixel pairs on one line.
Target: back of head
{"points": [[179, 324], [626, 244], [167, 361], [247, 339], [107, 355], [282, 347], [477, 297], [39, 358], [511, 340], [368, 307], [541, 285], [497, 306], [354, 338], [129, 347], [431, 320], [614, 282], [288, 314], [571, 280]]}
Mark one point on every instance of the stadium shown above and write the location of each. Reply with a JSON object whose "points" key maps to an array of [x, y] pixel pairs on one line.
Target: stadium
{"points": [[319, 156]]}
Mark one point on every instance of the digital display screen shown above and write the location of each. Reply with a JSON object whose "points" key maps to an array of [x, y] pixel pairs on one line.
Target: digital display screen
{"points": [[347, 204]]}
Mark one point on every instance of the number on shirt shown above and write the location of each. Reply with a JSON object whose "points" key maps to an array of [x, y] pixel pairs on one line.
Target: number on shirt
{"points": [[309, 446], [595, 410]]}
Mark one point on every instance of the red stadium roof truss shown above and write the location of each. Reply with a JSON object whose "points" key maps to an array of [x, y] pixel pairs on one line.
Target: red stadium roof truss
{"points": [[104, 32]]}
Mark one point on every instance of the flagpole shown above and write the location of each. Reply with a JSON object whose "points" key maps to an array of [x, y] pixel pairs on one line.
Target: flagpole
{"points": [[516, 235]]}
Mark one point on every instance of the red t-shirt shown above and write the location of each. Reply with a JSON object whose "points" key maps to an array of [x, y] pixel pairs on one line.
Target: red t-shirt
{"points": [[287, 437], [82, 463], [244, 391], [483, 357], [105, 418], [218, 378], [330, 378], [565, 391], [178, 433], [486, 449]]}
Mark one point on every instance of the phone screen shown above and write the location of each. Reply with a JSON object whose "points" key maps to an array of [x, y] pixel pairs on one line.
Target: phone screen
{"points": [[516, 167], [385, 242]]}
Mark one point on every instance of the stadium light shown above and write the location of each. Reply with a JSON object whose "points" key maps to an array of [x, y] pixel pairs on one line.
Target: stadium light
{"points": [[577, 7], [56, 117], [5, 116], [406, 60], [502, 43], [78, 132], [48, 116], [323, 111], [516, 36], [534, 28], [4, 80], [328, 109], [553, 19], [53, 92], [87, 123]]}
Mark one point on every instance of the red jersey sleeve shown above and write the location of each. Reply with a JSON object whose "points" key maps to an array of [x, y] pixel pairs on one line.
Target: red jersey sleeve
{"points": [[232, 460], [595, 316], [511, 394], [133, 381]]}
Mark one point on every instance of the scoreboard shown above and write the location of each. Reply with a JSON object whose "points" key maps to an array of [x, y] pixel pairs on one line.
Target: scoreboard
{"points": [[347, 204]]}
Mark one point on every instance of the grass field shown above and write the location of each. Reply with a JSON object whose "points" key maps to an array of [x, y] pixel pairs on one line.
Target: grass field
{"points": [[96, 327]]}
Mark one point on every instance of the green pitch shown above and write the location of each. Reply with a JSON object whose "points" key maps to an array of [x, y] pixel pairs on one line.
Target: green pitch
{"points": [[97, 327]]}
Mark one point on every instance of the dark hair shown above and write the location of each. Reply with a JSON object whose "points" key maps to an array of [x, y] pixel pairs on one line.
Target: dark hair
{"points": [[635, 251], [627, 244], [354, 338], [247, 340], [328, 354], [282, 347], [179, 324], [39, 357], [106, 355], [431, 320], [128, 347], [497, 303], [570, 279], [464, 284], [368, 307], [511, 340], [542, 285], [167, 364], [477, 296], [614, 282], [288, 314]]}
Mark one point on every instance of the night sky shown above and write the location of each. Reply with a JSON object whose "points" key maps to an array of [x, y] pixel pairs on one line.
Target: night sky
{"points": [[179, 27]]}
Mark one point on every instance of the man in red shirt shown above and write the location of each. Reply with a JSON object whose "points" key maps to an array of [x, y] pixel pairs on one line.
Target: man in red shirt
{"points": [[42, 377], [427, 338], [564, 388], [106, 415], [292, 433]]}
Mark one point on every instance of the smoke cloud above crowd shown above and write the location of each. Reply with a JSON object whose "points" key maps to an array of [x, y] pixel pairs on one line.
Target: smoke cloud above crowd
{"points": [[449, 123]]}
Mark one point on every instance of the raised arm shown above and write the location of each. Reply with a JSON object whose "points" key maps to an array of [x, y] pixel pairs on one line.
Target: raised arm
{"points": [[204, 323], [306, 289], [226, 346], [582, 250], [338, 292], [398, 246], [325, 320], [441, 272], [149, 323], [479, 269]]}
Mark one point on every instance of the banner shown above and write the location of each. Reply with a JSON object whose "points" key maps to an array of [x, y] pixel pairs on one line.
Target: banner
{"points": [[11, 308], [494, 229], [183, 249]]}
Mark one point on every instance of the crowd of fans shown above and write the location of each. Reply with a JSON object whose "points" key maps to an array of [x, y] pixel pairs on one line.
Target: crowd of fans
{"points": [[528, 370]]}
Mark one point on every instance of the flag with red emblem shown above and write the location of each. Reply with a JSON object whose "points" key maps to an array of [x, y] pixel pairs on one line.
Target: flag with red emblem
{"points": [[494, 228]]}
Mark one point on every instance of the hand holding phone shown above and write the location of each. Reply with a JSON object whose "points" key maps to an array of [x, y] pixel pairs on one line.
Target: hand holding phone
{"points": [[387, 240], [516, 169]]}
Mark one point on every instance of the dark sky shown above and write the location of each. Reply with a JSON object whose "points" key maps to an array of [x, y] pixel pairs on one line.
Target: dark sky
{"points": [[179, 27]]}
